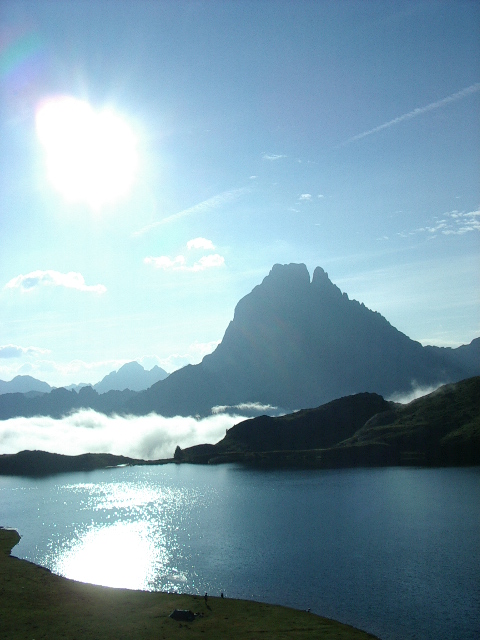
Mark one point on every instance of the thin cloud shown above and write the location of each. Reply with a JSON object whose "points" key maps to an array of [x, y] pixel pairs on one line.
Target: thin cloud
{"points": [[200, 243], [305, 196], [179, 263], [256, 408], [207, 205], [15, 351], [166, 263], [213, 260], [417, 112], [273, 156], [451, 223], [49, 278]]}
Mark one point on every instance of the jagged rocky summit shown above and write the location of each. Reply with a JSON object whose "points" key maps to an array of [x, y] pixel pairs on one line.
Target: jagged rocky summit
{"points": [[298, 343]]}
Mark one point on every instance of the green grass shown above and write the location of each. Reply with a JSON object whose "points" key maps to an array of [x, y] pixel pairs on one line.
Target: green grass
{"points": [[36, 604]]}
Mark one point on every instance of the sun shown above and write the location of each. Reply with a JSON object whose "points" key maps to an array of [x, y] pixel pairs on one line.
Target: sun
{"points": [[91, 156]]}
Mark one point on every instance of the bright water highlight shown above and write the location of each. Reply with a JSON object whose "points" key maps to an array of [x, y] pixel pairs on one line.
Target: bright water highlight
{"points": [[393, 551]]}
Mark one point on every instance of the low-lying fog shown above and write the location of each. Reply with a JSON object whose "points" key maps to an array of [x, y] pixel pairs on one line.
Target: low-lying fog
{"points": [[148, 437]]}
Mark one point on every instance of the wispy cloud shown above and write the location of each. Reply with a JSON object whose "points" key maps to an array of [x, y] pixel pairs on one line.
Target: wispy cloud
{"points": [[417, 112], [202, 207], [451, 223], [15, 351], [305, 197], [49, 278], [179, 263], [416, 392], [273, 156]]}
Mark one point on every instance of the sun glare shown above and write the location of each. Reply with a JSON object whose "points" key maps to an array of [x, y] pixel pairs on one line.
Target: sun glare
{"points": [[91, 156]]}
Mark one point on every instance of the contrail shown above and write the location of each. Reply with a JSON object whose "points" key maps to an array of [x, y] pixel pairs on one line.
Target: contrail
{"points": [[417, 112], [206, 205]]}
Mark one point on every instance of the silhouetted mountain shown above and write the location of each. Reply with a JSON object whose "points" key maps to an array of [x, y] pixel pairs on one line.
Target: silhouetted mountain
{"points": [[442, 428], [130, 376], [24, 384], [295, 343]]}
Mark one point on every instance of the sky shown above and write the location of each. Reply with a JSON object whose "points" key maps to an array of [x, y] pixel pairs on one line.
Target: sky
{"points": [[158, 158]]}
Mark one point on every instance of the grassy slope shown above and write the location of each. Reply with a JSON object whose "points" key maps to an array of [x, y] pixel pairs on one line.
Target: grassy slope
{"points": [[36, 604], [442, 427]]}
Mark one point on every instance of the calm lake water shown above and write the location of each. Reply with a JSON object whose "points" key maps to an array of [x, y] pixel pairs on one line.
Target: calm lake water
{"points": [[393, 551]]}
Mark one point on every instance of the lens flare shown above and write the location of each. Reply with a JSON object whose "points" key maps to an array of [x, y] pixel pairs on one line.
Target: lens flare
{"points": [[91, 156]]}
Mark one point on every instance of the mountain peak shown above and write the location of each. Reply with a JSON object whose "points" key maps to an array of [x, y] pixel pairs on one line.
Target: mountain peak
{"points": [[131, 367], [321, 282], [286, 277]]}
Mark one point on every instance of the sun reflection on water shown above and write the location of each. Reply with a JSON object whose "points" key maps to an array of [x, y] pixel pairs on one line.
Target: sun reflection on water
{"points": [[119, 555], [131, 541]]}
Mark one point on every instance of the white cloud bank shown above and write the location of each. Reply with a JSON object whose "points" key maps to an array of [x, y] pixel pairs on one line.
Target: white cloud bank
{"points": [[147, 437], [50, 278]]}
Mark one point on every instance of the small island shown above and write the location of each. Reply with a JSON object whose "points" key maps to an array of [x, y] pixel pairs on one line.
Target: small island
{"points": [[35, 603]]}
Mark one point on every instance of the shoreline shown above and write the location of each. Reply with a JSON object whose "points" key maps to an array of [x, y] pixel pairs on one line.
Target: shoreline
{"points": [[36, 603], [38, 464]]}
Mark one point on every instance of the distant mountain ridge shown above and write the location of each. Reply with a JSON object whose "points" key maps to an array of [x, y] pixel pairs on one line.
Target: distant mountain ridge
{"points": [[295, 343], [24, 384], [130, 376]]}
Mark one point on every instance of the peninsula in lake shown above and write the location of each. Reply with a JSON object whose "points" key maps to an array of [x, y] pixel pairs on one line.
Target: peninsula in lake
{"points": [[294, 342]]}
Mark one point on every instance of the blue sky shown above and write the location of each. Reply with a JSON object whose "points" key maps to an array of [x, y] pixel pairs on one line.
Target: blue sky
{"points": [[338, 134]]}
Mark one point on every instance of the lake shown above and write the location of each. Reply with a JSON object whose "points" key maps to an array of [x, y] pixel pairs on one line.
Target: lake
{"points": [[394, 551]]}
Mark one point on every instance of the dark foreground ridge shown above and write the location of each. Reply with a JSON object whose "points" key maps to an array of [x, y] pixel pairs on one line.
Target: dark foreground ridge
{"points": [[442, 428], [35, 603]]}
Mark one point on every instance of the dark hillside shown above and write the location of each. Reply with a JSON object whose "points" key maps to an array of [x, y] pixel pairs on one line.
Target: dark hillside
{"points": [[442, 428]]}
